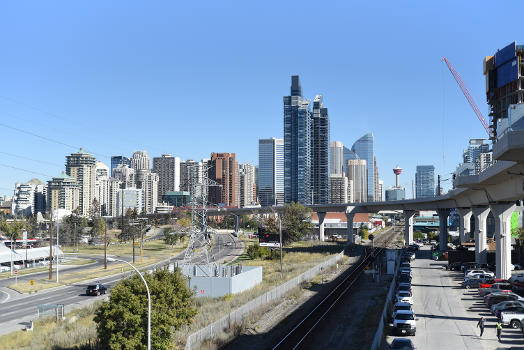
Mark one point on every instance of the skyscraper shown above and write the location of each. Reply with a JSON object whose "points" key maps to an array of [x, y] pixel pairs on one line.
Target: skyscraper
{"points": [[378, 190], [338, 189], [357, 173], [102, 187], [247, 185], [140, 161], [117, 160], [320, 152], [297, 146], [475, 148], [63, 192], [81, 167], [224, 170], [125, 175], [364, 148], [271, 171], [336, 157], [347, 154], [168, 169], [425, 181]]}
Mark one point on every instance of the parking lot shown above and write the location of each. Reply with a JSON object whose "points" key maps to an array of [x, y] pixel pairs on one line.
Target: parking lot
{"points": [[447, 314]]}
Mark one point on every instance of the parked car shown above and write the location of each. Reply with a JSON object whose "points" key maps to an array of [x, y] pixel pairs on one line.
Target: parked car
{"points": [[504, 305], [468, 266], [495, 298], [404, 322], [517, 309], [453, 266], [473, 273], [404, 278], [474, 283], [404, 297], [404, 288], [488, 284], [400, 306], [402, 344], [495, 287], [96, 289], [512, 318]]}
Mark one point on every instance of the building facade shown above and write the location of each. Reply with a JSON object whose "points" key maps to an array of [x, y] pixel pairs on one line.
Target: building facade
{"points": [[336, 158], [168, 169], [395, 194], [224, 171], [425, 181], [297, 146], [347, 154], [338, 189], [248, 191], [125, 174], [81, 167], [116, 161], [63, 192], [129, 199], [365, 149], [357, 173], [140, 161], [271, 171], [320, 152]]}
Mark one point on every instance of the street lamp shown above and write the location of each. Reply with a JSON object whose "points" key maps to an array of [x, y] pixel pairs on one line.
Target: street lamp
{"points": [[148, 300], [12, 236]]}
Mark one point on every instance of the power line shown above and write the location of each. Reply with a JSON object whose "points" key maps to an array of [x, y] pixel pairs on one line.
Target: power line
{"points": [[26, 170], [48, 139], [31, 159]]}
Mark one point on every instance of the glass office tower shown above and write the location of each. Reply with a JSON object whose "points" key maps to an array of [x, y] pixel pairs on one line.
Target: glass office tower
{"points": [[271, 171], [320, 152], [116, 160], [425, 181], [364, 148], [297, 146]]}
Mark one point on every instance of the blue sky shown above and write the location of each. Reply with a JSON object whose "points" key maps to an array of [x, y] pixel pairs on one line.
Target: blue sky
{"points": [[191, 78]]}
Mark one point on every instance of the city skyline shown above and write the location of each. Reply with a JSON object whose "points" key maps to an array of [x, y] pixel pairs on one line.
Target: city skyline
{"points": [[109, 117]]}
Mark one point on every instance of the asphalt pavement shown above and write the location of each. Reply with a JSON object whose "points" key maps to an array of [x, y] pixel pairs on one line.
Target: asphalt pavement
{"points": [[18, 309], [446, 314]]}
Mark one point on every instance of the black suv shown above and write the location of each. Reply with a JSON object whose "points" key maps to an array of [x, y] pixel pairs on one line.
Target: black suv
{"points": [[96, 289]]}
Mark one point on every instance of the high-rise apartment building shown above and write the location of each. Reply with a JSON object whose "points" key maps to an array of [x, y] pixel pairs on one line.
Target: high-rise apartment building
{"points": [[320, 152], [140, 161], [191, 172], [247, 185], [271, 171], [102, 187], [129, 199], [357, 173], [224, 170], [338, 189], [125, 174], [81, 167], [336, 157], [475, 148], [378, 191], [63, 192], [168, 169], [484, 161], [116, 161], [297, 146], [425, 181], [113, 187], [364, 148]]}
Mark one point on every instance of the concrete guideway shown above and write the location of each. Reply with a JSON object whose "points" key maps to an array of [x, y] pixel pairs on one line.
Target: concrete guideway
{"points": [[447, 315]]}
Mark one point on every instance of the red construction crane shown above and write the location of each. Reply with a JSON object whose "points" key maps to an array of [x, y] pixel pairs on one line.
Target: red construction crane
{"points": [[468, 97]]}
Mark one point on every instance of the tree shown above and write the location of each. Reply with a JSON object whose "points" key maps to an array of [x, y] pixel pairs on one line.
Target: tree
{"points": [[171, 238], [122, 321], [296, 222], [271, 224]]}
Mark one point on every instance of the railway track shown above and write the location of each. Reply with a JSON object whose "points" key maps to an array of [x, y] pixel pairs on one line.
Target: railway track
{"points": [[298, 334]]}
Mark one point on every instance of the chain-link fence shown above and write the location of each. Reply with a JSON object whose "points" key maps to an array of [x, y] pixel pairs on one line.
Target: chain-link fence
{"points": [[235, 317]]}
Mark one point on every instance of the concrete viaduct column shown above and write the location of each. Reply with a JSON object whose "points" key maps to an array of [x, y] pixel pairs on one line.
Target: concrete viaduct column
{"points": [[349, 216], [465, 216], [321, 217], [408, 222], [237, 225], [502, 214], [443, 226], [481, 246]]}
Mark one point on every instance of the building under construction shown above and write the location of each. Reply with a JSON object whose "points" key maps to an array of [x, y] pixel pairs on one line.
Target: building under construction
{"points": [[504, 85]]}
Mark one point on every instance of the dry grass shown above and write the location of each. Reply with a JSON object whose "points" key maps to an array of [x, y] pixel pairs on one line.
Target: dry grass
{"points": [[77, 329]]}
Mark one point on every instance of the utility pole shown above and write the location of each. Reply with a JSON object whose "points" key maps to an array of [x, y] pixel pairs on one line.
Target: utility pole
{"points": [[51, 248], [105, 245], [280, 233], [438, 185]]}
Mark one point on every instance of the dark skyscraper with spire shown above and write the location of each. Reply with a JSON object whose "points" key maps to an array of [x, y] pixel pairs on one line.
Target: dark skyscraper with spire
{"points": [[306, 148], [297, 146]]}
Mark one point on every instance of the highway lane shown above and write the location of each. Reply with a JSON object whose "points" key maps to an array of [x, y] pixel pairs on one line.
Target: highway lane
{"points": [[16, 310]]}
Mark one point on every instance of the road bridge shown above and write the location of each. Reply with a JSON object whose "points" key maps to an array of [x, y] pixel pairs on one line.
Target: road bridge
{"points": [[499, 190]]}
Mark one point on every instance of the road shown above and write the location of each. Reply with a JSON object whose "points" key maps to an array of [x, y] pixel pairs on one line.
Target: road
{"points": [[446, 315], [16, 309]]}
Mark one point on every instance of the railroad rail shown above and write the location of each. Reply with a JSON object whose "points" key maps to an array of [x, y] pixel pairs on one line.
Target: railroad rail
{"points": [[296, 336]]}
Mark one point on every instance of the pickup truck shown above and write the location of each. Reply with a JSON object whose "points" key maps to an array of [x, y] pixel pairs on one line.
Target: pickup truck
{"points": [[495, 287], [404, 322], [512, 317]]}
